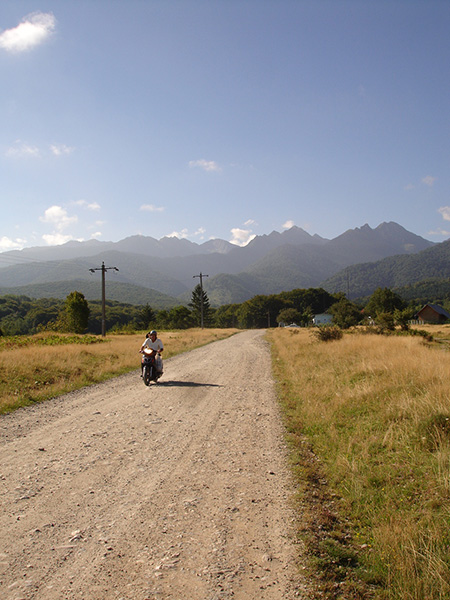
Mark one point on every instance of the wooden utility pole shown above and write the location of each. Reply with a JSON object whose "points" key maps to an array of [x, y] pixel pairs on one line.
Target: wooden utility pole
{"points": [[201, 297], [103, 269]]}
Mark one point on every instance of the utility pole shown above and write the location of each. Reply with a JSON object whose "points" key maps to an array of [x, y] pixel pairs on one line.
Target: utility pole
{"points": [[103, 269], [201, 297]]}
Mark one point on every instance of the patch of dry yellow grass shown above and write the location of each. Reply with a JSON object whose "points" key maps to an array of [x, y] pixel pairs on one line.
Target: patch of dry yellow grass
{"points": [[34, 373], [376, 410]]}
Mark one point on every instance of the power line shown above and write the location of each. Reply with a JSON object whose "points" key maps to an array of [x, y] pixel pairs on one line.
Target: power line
{"points": [[103, 269]]}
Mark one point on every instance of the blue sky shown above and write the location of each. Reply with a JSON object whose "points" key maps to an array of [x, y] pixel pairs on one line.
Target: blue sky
{"points": [[222, 118]]}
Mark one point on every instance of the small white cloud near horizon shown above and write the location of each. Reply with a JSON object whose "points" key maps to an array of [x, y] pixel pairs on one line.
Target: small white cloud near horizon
{"points": [[151, 208], [445, 212], [439, 231], [61, 149], [33, 30], [57, 239], [241, 237], [288, 224], [206, 165], [429, 180], [22, 150], [7, 244], [181, 235], [96, 235]]}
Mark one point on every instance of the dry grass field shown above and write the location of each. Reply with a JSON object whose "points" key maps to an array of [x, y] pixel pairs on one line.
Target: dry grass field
{"points": [[369, 425], [34, 368]]}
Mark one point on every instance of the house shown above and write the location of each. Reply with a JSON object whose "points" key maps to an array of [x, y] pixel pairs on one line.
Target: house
{"points": [[432, 313], [322, 319]]}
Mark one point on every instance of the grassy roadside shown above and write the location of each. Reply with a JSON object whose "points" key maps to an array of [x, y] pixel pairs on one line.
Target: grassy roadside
{"points": [[35, 368], [368, 421]]}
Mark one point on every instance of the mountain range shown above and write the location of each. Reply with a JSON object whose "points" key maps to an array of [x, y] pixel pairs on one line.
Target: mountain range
{"points": [[164, 272]]}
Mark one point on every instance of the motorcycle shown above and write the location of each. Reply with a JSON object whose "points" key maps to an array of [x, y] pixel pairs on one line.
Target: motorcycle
{"points": [[149, 370]]}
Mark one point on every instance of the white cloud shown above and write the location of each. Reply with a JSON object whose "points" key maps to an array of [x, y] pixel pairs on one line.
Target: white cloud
{"points": [[249, 222], [34, 29], [184, 233], [152, 208], [88, 205], [7, 243], [241, 237], [96, 235], [60, 149], [56, 239], [22, 150], [58, 216], [206, 165], [409, 186], [179, 234], [429, 180], [288, 224], [445, 212], [439, 231]]}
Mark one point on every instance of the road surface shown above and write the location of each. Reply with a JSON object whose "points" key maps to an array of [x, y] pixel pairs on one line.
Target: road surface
{"points": [[176, 491]]}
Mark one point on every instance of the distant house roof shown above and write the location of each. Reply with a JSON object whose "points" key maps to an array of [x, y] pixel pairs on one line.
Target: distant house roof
{"points": [[439, 310], [434, 308]]}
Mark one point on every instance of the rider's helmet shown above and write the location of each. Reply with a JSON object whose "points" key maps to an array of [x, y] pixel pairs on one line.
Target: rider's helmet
{"points": [[153, 332]]}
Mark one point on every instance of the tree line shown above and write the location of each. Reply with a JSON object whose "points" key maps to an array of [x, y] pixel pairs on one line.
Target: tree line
{"points": [[21, 315]]}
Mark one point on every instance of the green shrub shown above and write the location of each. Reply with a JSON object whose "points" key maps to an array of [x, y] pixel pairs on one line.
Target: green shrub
{"points": [[328, 333]]}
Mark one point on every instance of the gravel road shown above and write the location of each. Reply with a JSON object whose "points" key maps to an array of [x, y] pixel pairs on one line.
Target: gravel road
{"points": [[180, 490]]}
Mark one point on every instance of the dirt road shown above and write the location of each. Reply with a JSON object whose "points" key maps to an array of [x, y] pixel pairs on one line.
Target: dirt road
{"points": [[180, 490]]}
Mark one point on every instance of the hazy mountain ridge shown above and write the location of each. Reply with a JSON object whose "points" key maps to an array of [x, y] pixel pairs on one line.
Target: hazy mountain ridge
{"points": [[268, 264], [394, 272]]}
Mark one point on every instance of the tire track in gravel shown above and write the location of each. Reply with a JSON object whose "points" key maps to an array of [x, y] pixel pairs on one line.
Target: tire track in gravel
{"points": [[181, 489]]}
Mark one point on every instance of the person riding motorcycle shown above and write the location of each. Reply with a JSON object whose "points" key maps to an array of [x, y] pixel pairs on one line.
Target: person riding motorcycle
{"points": [[154, 343]]}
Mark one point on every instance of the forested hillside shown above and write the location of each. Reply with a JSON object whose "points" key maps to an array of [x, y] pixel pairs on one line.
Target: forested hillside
{"points": [[394, 272]]}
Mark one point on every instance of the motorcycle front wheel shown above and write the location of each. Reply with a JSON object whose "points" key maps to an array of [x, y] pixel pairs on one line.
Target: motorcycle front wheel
{"points": [[146, 374]]}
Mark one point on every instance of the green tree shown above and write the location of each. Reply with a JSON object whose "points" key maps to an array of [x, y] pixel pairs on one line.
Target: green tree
{"points": [[402, 317], [162, 319], [289, 315], [200, 306], [180, 317], [261, 311], [383, 300], [314, 300], [76, 313], [385, 322], [345, 313], [226, 315], [146, 317]]}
